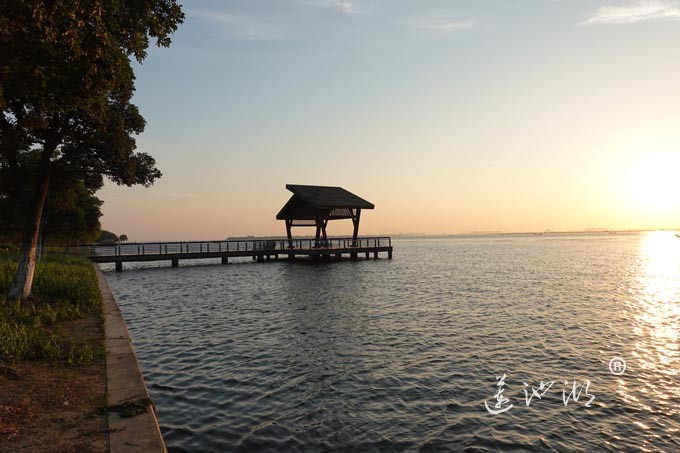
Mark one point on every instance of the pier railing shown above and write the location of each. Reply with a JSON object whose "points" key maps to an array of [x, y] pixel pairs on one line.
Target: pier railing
{"points": [[207, 247]]}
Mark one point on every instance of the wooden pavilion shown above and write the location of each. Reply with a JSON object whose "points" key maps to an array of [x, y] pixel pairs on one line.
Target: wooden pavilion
{"points": [[314, 206]]}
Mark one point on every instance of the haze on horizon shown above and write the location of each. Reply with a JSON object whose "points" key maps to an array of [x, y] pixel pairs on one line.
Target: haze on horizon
{"points": [[450, 116]]}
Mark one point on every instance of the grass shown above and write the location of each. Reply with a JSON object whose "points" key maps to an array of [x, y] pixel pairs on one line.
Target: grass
{"points": [[64, 289]]}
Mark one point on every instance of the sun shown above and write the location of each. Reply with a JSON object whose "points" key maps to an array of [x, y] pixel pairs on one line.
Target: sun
{"points": [[652, 182]]}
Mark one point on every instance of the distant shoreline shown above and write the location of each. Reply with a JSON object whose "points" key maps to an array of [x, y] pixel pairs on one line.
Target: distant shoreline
{"points": [[416, 235], [457, 235]]}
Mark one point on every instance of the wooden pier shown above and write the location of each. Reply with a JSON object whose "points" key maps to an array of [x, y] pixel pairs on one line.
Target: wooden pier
{"points": [[259, 249]]}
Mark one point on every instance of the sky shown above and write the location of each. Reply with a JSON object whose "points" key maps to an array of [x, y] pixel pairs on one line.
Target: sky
{"points": [[450, 116]]}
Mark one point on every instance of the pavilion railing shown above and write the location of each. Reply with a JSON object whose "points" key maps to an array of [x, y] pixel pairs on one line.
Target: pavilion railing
{"points": [[207, 247]]}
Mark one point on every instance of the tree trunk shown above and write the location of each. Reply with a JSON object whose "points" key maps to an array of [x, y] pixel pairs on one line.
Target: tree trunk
{"points": [[20, 289], [40, 251]]}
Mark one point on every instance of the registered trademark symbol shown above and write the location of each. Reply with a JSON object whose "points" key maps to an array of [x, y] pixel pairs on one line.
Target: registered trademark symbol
{"points": [[617, 366]]}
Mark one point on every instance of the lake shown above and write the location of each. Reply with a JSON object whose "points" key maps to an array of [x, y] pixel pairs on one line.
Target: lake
{"points": [[430, 351]]}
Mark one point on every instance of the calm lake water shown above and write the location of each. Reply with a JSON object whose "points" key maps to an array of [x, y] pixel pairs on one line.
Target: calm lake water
{"points": [[402, 355]]}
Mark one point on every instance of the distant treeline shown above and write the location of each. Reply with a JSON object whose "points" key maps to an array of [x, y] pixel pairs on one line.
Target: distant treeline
{"points": [[109, 238]]}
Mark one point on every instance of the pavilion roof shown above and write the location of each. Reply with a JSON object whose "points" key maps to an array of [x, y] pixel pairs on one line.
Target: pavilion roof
{"points": [[309, 199]]}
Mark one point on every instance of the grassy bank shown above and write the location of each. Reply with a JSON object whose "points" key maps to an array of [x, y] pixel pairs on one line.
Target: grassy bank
{"points": [[64, 289]]}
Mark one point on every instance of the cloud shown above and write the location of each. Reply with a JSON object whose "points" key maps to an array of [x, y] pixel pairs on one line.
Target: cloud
{"points": [[242, 27], [639, 11], [349, 7], [215, 16], [441, 24]]}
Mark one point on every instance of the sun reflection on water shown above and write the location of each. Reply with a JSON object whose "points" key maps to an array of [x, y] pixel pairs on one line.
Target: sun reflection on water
{"points": [[655, 313], [660, 298]]}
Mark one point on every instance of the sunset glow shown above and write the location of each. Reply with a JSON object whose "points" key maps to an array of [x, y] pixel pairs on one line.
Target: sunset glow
{"points": [[451, 117], [652, 182]]}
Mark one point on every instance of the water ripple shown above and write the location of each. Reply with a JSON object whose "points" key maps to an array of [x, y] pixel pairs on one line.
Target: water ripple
{"points": [[400, 355]]}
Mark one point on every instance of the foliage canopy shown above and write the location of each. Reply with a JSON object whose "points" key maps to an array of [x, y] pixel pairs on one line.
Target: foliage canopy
{"points": [[66, 84]]}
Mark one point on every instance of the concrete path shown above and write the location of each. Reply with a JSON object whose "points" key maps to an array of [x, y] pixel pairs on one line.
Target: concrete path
{"points": [[133, 426]]}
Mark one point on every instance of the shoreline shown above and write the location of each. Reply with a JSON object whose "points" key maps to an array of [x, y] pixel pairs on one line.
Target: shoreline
{"points": [[133, 425]]}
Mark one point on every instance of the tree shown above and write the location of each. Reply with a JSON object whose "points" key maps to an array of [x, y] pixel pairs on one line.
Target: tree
{"points": [[123, 238], [107, 238], [71, 213], [69, 216], [66, 82]]}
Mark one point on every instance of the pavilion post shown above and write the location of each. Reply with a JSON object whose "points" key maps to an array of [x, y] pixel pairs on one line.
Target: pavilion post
{"points": [[289, 224], [319, 226], [323, 232], [355, 221]]}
